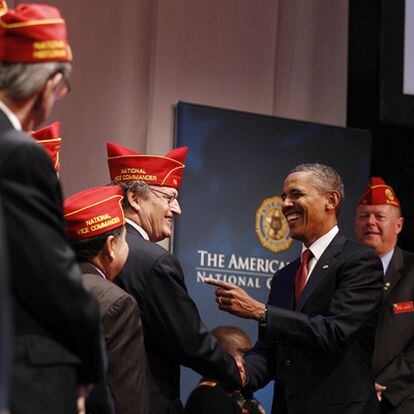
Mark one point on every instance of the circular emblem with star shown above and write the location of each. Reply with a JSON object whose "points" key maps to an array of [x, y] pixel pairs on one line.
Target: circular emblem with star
{"points": [[271, 225]]}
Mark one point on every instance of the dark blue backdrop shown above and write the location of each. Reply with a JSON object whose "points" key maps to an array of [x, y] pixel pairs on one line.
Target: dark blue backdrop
{"points": [[236, 161]]}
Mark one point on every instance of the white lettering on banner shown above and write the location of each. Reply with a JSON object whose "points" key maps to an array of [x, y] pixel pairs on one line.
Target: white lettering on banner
{"points": [[252, 272]]}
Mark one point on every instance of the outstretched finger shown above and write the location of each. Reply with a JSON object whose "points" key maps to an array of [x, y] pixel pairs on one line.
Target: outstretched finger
{"points": [[219, 283]]}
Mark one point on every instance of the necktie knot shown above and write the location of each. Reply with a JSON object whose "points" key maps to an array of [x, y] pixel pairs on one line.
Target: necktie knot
{"points": [[306, 256]]}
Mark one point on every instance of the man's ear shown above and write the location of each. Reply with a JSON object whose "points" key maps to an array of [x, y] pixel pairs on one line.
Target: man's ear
{"points": [[399, 225], [332, 200], [133, 201], [44, 99], [109, 248]]}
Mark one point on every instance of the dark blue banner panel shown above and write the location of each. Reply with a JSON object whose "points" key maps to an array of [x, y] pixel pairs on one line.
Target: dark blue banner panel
{"points": [[232, 227]]}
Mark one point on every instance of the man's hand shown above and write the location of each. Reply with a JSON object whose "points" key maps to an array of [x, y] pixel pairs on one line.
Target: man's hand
{"points": [[235, 300], [242, 369], [379, 390], [83, 392]]}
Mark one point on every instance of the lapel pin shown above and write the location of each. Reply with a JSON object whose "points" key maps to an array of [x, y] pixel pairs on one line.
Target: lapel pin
{"points": [[325, 266]]}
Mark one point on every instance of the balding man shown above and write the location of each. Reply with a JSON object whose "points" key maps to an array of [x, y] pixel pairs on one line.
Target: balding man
{"points": [[211, 395]]}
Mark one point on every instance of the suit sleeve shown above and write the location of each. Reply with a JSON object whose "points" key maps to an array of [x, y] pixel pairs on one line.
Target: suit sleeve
{"points": [[5, 331], [179, 327], [355, 299], [398, 376], [46, 279], [127, 363], [260, 363]]}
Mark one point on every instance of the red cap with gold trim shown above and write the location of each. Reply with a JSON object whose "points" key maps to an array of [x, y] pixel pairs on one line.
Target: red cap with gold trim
{"points": [[93, 212], [126, 166], [33, 33], [377, 192], [3, 7], [49, 138]]}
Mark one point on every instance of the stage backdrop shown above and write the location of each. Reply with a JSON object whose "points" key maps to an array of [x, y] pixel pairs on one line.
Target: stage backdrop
{"points": [[232, 227]]}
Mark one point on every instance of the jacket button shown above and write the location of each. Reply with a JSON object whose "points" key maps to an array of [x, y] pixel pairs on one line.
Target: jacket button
{"points": [[288, 362]]}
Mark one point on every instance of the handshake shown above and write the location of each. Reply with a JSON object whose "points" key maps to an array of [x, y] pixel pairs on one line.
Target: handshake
{"points": [[242, 369]]}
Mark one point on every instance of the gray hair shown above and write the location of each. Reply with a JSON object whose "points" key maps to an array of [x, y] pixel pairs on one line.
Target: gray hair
{"points": [[22, 80], [139, 188], [325, 179]]}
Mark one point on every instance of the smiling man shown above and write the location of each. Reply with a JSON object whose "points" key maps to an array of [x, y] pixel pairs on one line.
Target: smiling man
{"points": [[174, 334], [378, 222], [317, 330]]}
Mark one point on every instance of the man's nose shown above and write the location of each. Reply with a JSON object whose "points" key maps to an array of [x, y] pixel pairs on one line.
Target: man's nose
{"points": [[371, 219], [175, 207]]}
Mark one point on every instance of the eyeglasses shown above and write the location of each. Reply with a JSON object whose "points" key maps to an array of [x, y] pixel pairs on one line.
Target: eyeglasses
{"points": [[62, 88], [170, 197]]}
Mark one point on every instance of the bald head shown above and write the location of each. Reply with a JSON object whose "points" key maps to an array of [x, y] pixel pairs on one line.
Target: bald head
{"points": [[234, 340]]}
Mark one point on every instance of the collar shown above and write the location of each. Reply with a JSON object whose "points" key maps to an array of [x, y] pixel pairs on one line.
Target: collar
{"points": [[91, 268], [138, 228], [11, 116], [319, 246], [386, 259]]}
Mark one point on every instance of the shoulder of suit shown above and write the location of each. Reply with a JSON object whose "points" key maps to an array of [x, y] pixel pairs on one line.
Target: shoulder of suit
{"points": [[102, 288], [351, 246], [18, 143], [138, 246]]}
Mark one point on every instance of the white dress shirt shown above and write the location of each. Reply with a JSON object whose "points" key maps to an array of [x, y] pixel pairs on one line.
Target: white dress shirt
{"points": [[143, 233], [318, 247], [386, 259], [12, 117]]}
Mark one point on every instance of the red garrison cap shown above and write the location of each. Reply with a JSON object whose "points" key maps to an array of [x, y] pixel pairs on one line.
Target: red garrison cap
{"points": [[126, 166], [33, 33], [377, 192], [93, 212], [3, 7], [51, 142]]}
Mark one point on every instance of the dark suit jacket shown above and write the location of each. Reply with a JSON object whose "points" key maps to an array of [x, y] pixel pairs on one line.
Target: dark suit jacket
{"points": [[394, 350], [127, 375], [5, 332], [174, 334], [320, 353], [56, 320]]}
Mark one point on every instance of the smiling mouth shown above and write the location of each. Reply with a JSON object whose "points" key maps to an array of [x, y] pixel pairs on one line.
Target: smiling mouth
{"points": [[371, 233], [292, 217]]}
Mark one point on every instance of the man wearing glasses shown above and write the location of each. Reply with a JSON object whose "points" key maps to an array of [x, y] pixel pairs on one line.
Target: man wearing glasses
{"points": [[174, 334], [56, 343]]}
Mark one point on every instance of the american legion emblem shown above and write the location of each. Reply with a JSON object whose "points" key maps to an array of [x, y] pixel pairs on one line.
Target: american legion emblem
{"points": [[271, 225]]}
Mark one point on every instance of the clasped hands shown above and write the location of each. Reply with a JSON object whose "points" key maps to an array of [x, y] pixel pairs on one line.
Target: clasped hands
{"points": [[235, 300]]}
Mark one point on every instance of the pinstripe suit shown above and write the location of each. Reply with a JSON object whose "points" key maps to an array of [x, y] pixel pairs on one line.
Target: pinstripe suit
{"points": [[127, 375]]}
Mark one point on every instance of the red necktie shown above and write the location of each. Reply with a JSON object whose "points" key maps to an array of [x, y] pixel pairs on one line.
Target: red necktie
{"points": [[302, 273]]}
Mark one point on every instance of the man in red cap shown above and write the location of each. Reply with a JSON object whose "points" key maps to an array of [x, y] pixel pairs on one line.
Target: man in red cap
{"points": [[57, 342], [96, 228], [173, 331], [378, 222], [49, 138]]}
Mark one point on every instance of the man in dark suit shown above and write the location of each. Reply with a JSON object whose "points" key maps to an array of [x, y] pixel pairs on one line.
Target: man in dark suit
{"points": [[173, 331], [5, 332], [96, 228], [378, 222], [318, 327], [56, 328]]}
